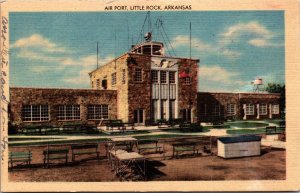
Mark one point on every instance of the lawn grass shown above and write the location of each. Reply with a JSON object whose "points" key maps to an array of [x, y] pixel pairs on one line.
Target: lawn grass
{"points": [[96, 133], [245, 124], [217, 126], [177, 130], [62, 142], [246, 131], [161, 136], [28, 138]]}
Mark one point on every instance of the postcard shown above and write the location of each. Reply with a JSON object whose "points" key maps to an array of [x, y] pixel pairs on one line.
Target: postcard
{"points": [[149, 95]]}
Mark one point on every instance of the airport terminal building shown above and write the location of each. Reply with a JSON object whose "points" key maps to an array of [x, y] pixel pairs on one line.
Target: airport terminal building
{"points": [[140, 86]]}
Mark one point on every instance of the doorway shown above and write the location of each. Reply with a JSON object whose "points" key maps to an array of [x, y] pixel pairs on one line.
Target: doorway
{"points": [[139, 116]]}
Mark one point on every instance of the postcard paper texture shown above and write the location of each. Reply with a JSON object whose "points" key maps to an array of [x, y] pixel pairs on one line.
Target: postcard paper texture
{"points": [[149, 95]]}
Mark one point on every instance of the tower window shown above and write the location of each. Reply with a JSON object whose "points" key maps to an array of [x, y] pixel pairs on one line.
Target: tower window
{"points": [[138, 75], [123, 76], [154, 76], [172, 77], [187, 80], [113, 78], [163, 77]]}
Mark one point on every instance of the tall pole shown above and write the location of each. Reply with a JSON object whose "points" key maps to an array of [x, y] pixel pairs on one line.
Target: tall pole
{"points": [[190, 41], [97, 56]]}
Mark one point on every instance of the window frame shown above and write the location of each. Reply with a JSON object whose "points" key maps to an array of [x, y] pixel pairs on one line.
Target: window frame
{"points": [[152, 76], [161, 77], [92, 108], [276, 110], [63, 112], [40, 111], [263, 109], [248, 109], [187, 80], [173, 77], [113, 78], [231, 109], [138, 77], [123, 76]]}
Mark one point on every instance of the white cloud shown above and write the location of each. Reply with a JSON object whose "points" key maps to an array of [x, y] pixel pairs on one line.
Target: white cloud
{"points": [[251, 32], [216, 73], [85, 65], [38, 41], [50, 56], [252, 27], [198, 44], [202, 47]]}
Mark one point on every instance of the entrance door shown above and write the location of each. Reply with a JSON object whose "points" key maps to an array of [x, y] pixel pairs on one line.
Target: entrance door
{"points": [[186, 115], [163, 110], [139, 116]]}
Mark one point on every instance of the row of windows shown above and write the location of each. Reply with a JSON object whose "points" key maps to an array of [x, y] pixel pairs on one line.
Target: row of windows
{"points": [[156, 76], [164, 77], [249, 110], [32, 113], [263, 109]]}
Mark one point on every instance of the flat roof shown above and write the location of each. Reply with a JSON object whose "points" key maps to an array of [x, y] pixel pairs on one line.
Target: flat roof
{"points": [[52, 88], [240, 139], [130, 53]]}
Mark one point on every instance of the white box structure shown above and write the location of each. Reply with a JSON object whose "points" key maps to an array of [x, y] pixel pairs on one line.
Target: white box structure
{"points": [[240, 146]]}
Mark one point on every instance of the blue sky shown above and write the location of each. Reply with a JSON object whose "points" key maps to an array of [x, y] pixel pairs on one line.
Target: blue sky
{"points": [[58, 49]]}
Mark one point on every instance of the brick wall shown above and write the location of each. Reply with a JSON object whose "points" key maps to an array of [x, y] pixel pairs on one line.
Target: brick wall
{"points": [[139, 93], [187, 93], [207, 102], [55, 97], [115, 66]]}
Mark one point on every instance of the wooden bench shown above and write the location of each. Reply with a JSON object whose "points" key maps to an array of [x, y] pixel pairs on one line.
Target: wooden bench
{"points": [[55, 154], [144, 145], [111, 124], [21, 157], [271, 130], [184, 147], [185, 125], [84, 149]]}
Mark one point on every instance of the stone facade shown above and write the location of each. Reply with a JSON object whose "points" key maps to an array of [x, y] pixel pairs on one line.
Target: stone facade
{"points": [[54, 97], [134, 95], [214, 106], [187, 93]]}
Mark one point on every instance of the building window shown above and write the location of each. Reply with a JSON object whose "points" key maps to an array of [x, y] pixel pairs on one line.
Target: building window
{"points": [[216, 109], [31, 113], [187, 80], [68, 112], [249, 109], [97, 112], [163, 77], [275, 109], [138, 75], [231, 109], [154, 76], [172, 77], [123, 76], [263, 109], [98, 83], [92, 84], [113, 78]]}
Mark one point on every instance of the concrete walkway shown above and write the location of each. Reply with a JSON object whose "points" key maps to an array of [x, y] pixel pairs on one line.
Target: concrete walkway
{"points": [[154, 130]]}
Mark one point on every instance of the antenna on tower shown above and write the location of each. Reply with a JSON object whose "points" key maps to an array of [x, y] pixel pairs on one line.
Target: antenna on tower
{"points": [[97, 55], [190, 41]]}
